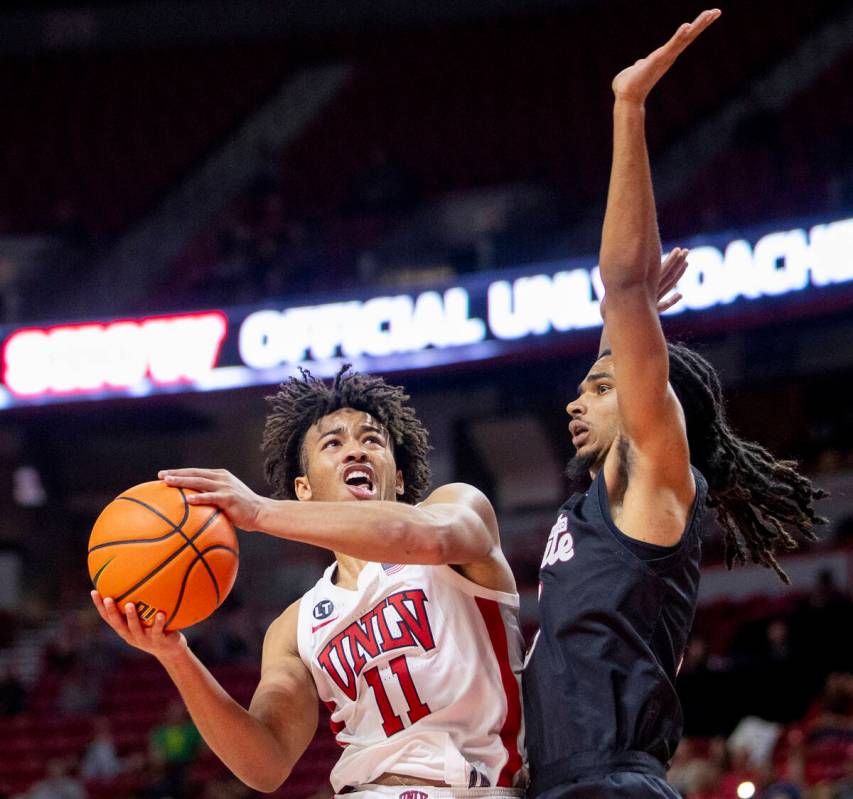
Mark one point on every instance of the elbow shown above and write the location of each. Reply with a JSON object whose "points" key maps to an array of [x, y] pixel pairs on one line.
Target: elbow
{"points": [[267, 782], [456, 542]]}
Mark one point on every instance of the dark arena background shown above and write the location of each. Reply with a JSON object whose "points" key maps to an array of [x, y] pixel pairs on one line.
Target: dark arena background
{"points": [[195, 197]]}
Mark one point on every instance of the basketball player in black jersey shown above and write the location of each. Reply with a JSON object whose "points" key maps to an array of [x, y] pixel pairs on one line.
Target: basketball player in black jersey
{"points": [[620, 574]]}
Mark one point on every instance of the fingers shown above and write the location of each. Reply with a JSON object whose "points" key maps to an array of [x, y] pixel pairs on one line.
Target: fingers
{"points": [[687, 34], [163, 474], [206, 498], [672, 269], [665, 305], [107, 610], [206, 483]]}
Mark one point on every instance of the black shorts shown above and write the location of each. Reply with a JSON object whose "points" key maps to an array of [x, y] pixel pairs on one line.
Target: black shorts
{"points": [[616, 785]]}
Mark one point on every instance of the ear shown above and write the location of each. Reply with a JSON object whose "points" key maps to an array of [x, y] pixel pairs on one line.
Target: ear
{"points": [[399, 485], [303, 488]]}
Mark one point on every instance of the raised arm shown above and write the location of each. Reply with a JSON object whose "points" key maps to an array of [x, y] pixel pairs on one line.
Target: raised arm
{"points": [[630, 261], [454, 525], [671, 270], [260, 745]]}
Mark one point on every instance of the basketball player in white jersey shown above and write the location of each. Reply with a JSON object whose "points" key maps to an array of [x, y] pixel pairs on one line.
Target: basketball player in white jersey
{"points": [[411, 636]]}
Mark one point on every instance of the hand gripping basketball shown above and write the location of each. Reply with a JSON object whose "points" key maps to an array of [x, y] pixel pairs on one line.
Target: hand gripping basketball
{"points": [[152, 548]]}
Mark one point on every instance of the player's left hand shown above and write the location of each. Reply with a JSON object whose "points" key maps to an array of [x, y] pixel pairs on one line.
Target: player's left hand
{"points": [[634, 83], [221, 488], [671, 269]]}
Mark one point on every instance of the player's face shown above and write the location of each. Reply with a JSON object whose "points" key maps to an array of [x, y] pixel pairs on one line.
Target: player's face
{"points": [[349, 457], [595, 414]]}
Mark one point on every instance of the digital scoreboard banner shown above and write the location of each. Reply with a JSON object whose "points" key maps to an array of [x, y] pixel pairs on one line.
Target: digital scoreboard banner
{"points": [[475, 319]]}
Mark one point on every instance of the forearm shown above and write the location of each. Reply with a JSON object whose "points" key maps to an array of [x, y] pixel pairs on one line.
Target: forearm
{"points": [[241, 741], [379, 531], [630, 253]]}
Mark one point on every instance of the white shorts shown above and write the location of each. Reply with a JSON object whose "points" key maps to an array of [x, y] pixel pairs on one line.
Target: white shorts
{"points": [[430, 792]]}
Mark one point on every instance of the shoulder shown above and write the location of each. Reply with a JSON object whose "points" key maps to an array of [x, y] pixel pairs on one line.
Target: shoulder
{"points": [[281, 635]]}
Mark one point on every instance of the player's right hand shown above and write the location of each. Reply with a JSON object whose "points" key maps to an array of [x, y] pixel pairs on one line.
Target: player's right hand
{"points": [[155, 640]]}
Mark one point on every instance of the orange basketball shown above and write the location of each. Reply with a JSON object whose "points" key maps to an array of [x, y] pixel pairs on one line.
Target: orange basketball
{"points": [[151, 547]]}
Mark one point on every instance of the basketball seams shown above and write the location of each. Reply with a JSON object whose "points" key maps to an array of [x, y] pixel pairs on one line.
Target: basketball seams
{"points": [[157, 569], [200, 555], [187, 577]]}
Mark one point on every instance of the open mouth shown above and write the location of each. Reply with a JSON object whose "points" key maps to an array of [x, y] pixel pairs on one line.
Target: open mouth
{"points": [[580, 433], [360, 483]]}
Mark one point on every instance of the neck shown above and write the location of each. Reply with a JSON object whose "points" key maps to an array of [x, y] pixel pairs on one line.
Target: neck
{"points": [[348, 570]]}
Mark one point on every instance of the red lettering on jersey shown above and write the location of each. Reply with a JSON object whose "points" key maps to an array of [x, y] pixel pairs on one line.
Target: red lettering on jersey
{"points": [[389, 642], [345, 677], [363, 640], [358, 644], [417, 622]]}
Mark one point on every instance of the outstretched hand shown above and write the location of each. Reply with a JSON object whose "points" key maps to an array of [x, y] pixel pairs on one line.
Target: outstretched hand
{"points": [[634, 83]]}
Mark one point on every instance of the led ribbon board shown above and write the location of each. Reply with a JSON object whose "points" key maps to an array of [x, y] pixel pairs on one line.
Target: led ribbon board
{"points": [[472, 320]]}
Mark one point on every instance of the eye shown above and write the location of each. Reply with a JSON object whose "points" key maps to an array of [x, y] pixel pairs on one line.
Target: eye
{"points": [[373, 439], [602, 388], [330, 442]]}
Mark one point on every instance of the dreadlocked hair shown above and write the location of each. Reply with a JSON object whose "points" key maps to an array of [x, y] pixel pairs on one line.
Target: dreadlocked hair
{"points": [[302, 401], [758, 499]]}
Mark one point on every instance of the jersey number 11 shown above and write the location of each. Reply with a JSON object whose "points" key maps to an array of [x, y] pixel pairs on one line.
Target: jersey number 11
{"points": [[391, 722]]}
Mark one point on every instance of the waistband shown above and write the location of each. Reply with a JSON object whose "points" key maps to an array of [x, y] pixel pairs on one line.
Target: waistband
{"points": [[585, 765], [428, 792]]}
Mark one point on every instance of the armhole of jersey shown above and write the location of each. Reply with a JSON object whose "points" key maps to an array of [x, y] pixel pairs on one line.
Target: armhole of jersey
{"points": [[668, 555], [303, 627], [466, 586]]}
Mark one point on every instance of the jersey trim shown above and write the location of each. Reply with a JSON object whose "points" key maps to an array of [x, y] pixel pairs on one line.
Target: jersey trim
{"points": [[675, 554], [471, 588], [512, 723]]}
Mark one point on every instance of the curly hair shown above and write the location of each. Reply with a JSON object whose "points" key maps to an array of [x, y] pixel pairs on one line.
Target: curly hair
{"points": [[757, 498], [302, 401]]}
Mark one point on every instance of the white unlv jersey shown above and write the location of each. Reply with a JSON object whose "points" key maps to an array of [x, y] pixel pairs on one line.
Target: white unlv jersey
{"points": [[421, 670]]}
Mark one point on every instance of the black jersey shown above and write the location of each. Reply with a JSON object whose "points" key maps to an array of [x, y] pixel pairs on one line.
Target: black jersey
{"points": [[614, 616]]}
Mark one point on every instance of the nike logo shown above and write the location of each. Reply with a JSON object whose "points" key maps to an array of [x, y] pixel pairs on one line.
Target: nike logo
{"points": [[316, 627]]}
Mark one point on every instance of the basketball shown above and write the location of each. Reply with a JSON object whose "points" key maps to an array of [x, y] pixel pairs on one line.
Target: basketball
{"points": [[151, 547]]}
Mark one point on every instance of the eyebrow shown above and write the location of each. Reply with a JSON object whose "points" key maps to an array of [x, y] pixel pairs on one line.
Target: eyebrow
{"points": [[340, 430], [592, 377], [335, 431]]}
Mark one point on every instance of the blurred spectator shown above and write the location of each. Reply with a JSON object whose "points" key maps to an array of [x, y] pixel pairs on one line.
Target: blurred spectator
{"points": [[831, 715], [234, 635], [13, 695], [58, 784], [101, 761], [80, 693], [173, 746]]}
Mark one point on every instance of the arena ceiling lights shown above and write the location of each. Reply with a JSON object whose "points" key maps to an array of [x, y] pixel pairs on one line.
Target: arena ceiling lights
{"points": [[473, 320]]}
